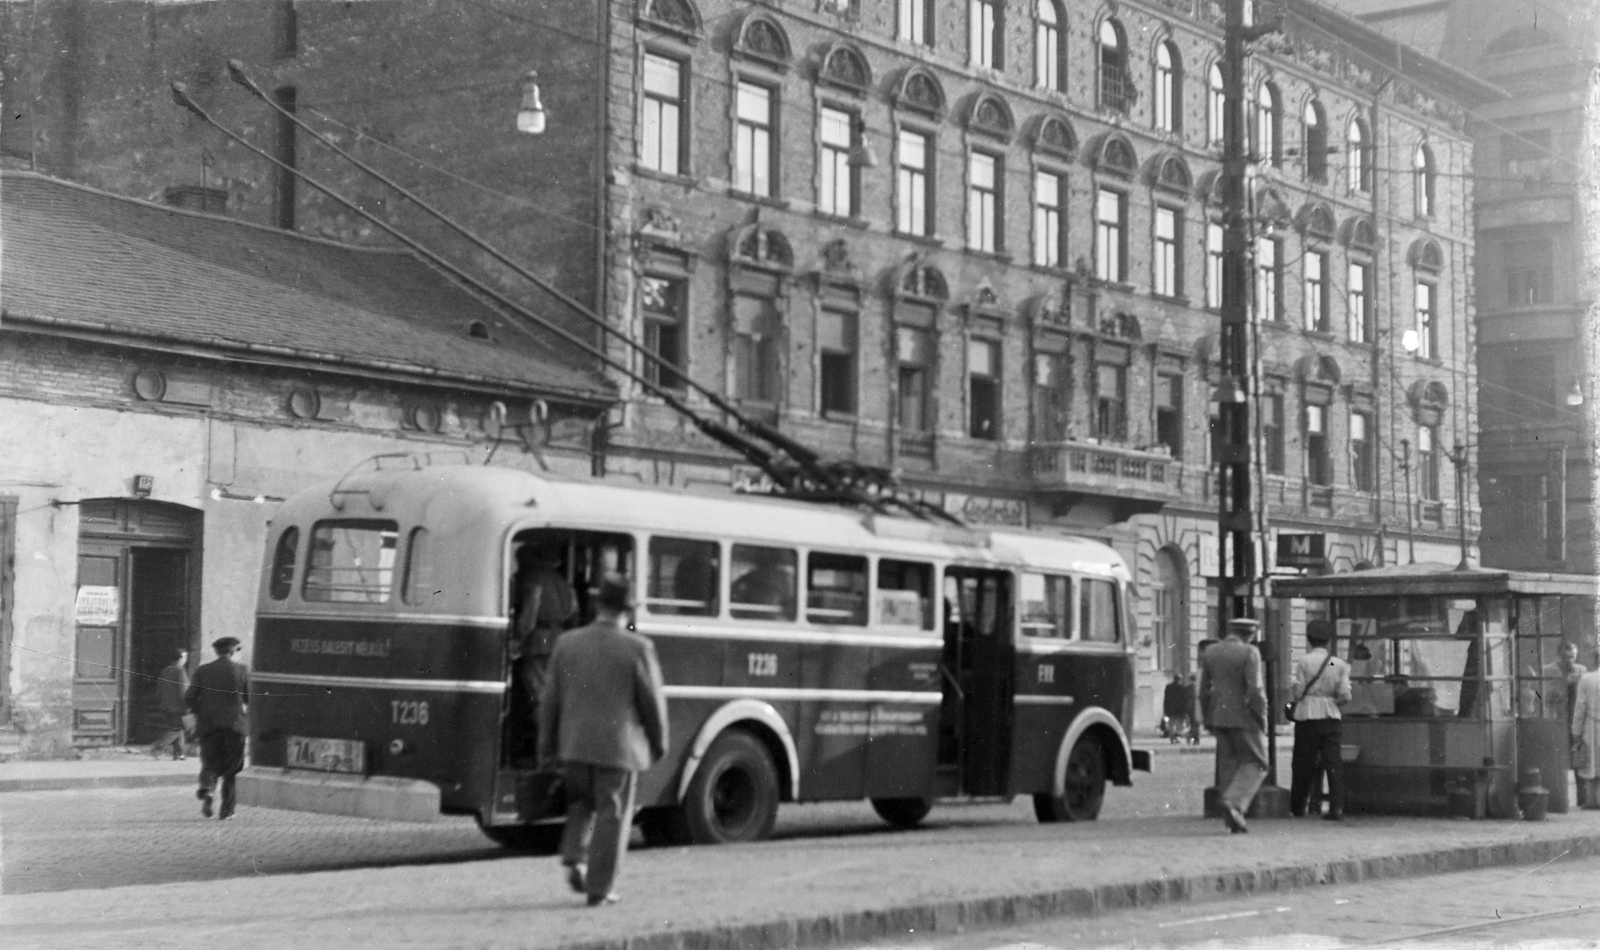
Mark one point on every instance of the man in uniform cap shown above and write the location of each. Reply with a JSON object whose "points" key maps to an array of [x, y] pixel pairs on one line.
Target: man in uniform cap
{"points": [[1233, 699], [217, 696]]}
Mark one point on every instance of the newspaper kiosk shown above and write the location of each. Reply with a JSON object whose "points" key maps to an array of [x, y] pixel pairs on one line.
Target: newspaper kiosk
{"points": [[1456, 686]]}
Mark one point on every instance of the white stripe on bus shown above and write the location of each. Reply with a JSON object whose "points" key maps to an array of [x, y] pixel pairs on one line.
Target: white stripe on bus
{"points": [[369, 617], [793, 636], [825, 695], [1034, 700], [381, 682]]}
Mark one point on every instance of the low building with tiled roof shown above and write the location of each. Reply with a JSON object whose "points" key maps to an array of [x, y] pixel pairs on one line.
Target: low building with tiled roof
{"points": [[165, 376]]}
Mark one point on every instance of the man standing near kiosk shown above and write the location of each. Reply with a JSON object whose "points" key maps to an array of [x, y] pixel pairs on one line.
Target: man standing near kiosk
{"points": [[1321, 685], [1233, 699]]}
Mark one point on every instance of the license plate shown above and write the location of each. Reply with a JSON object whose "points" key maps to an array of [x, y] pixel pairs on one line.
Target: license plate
{"points": [[327, 755]]}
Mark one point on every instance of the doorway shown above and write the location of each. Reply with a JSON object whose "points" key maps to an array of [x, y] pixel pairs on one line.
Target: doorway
{"points": [[975, 716]]}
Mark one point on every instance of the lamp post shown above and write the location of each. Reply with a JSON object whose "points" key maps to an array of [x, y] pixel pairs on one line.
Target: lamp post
{"points": [[1405, 465], [1458, 458]]}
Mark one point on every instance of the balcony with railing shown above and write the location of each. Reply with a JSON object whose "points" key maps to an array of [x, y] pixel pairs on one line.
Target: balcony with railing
{"points": [[1130, 481]]}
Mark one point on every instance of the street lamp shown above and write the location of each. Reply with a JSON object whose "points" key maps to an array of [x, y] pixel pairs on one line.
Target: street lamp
{"points": [[1458, 458], [531, 116], [1575, 394], [1410, 340]]}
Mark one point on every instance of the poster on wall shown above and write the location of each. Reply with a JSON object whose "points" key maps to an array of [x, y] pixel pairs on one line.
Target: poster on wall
{"points": [[97, 606]]}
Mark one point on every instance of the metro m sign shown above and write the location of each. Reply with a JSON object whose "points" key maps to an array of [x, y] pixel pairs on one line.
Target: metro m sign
{"points": [[1301, 550]]}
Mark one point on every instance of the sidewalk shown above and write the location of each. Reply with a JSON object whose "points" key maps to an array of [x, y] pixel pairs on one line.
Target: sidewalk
{"points": [[118, 767]]}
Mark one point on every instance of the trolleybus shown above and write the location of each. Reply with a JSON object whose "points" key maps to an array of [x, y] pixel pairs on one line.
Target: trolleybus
{"points": [[810, 653]]}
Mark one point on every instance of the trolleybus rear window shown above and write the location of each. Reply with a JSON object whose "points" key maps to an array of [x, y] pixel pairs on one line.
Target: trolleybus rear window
{"points": [[1098, 619], [417, 583], [1046, 606], [836, 589], [685, 577], [283, 564], [763, 583], [351, 561]]}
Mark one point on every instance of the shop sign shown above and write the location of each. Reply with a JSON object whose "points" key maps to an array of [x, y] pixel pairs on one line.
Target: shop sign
{"points": [[1302, 550], [984, 509], [97, 606]]}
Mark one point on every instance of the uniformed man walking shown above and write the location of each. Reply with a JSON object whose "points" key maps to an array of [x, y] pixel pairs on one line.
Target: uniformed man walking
{"points": [[1233, 698]]}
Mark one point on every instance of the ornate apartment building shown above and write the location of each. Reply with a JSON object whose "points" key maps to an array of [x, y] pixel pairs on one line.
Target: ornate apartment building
{"points": [[975, 241]]}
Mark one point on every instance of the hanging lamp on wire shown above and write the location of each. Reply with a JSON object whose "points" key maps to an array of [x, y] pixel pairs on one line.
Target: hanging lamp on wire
{"points": [[531, 115]]}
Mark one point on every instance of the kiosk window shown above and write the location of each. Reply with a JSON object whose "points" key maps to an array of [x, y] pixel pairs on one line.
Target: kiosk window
{"points": [[684, 577], [905, 594], [763, 583], [836, 590], [417, 584], [283, 564], [1097, 612], [351, 562], [1046, 606]]}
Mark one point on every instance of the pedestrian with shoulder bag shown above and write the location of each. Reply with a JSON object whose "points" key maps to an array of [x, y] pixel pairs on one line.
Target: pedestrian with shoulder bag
{"points": [[1321, 684]]}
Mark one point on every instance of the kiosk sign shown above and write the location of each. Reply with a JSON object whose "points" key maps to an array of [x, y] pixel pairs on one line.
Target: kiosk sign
{"points": [[1302, 550]]}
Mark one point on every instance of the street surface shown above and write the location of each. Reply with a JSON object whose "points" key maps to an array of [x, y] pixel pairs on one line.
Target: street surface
{"points": [[65, 840], [1554, 907]]}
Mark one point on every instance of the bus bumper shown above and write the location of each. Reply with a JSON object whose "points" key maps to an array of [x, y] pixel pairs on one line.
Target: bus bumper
{"points": [[330, 793]]}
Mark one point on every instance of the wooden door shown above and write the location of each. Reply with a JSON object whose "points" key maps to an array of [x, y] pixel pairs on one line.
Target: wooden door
{"points": [[101, 648]]}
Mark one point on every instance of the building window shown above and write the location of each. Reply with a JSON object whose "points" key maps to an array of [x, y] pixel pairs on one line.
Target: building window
{"points": [[1427, 322], [836, 364], [1422, 180], [839, 187], [916, 22], [1316, 143], [1110, 235], [1047, 46], [1049, 219], [913, 203], [1169, 89], [1049, 397], [1168, 262], [1428, 463], [1530, 272], [984, 174], [983, 389], [1268, 301], [1111, 402], [1269, 127], [754, 159], [984, 32], [1316, 291], [1360, 303], [755, 349], [914, 364], [662, 300], [1169, 414], [1272, 431], [1358, 157], [1318, 471], [1216, 106], [1527, 155], [1361, 453], [1214, 269], [663, 145], [1116, 90]]}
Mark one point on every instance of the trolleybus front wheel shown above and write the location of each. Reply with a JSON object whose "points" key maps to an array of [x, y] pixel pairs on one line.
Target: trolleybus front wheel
{"points": [[533, 839], [1083, 791], [734, 794], [902, 812]]}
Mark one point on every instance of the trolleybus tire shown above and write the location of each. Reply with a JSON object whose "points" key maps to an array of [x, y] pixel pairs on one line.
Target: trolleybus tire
{"points": [[902, 812], [541, 839], [1083, 789], [664, 826], [734, 793]]}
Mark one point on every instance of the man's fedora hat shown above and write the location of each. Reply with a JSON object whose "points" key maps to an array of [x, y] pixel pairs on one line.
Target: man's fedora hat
{"points": [[225, 643]]}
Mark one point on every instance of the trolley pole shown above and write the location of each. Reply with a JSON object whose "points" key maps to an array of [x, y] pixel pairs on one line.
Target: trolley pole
{"points": [[1238, 527]]}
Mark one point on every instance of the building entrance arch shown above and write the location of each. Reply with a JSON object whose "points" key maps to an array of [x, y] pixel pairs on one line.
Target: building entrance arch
{"points": [[1170, 593]]}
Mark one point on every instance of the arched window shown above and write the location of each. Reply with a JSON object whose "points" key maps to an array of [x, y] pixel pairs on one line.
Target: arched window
{"points": [[1269, 126], [1169, 89], [1116, 92], [1422, 180], [1047, 47], [1316, 143], [1358, 157], [1216, 105]]}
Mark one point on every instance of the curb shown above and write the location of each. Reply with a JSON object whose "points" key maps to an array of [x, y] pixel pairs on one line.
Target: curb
{"points": [[859, 927], [98, 781]]}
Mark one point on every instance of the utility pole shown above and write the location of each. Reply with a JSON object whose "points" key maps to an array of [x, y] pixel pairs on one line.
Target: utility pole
{"points": [[1238, 523]]}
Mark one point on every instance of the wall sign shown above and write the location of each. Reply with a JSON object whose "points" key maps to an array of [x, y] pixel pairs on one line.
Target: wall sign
{"points": [[97, 606]]}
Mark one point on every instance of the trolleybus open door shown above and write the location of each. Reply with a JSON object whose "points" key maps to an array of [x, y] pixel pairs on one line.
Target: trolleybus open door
{"points": [[975, 716]]}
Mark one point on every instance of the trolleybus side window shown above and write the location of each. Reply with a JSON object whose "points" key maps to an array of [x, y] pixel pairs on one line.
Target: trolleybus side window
{"points": [[836, 589], [1046, 606], [685, 577], [351, 561], [417, 583], [283, 563], [905, 594], [763, 583], [1098, 620]]}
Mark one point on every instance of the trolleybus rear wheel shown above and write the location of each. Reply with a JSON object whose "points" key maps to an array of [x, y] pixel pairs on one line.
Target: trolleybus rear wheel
{"points": [[902, 812], [734, 794], [533, 839], [1084, 789]]}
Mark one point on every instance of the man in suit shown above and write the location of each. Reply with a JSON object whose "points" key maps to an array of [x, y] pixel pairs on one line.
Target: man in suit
{"points": [[1321, 685], [171, 687], [217, 697], [603, 716], [1233, 697]]}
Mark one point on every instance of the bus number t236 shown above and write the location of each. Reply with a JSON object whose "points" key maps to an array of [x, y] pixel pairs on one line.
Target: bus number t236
{"points": [[763, 664], [409, 712]]}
